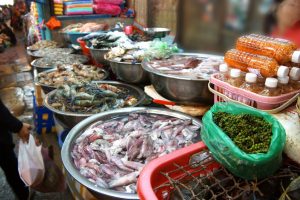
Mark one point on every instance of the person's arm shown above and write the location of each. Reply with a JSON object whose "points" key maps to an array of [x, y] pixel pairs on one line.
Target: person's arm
{"points": [[8, 121]]}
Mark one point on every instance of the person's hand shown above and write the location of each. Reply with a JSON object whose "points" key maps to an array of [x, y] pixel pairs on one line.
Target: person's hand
{"points": [[24, 132]]}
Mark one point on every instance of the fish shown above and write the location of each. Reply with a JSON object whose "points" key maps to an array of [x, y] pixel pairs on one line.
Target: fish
{"points": [[133, 149], [101, 183], [147, 148], [132, 164], [101, 157], [187, 66], [125, 180], [120, 164]]}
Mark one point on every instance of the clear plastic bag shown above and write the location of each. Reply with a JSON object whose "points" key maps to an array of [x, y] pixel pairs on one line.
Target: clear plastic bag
{"points": [[30, 162], [54, 180], [161, 50]]}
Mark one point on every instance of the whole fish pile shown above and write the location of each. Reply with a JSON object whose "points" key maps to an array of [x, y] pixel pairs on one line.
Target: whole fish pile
{"points": [[71, 74], [52, 52], [187, 66], [91, 98], [112, 153], [42, 44], [68, 59], [107, 40], [137, 37], [138, 51]]}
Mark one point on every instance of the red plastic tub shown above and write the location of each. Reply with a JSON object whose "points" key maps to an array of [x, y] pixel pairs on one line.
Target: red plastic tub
{"points": [[85, 50], [152, 184]]}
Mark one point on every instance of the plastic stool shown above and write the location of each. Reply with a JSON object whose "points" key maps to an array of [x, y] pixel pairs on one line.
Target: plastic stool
{"points": [[43, 119]]}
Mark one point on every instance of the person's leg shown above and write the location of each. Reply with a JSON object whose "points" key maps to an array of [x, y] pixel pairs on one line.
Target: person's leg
{"points": [[9, 164]]}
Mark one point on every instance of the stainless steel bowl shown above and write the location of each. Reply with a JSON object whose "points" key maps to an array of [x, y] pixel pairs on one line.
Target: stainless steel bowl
{"points": [[48, 88], [69, 142], [31, 57], [98, 55], [182, 90], [34, 54], [68, 119], [130, 73], [157, 32], [40, 69]]}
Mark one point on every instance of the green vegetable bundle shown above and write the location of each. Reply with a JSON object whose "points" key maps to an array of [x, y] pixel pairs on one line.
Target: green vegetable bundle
{"points": [[245, 165]]}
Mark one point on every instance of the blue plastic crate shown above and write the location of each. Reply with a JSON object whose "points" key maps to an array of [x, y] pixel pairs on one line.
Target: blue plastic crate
{"points": [[61, 137], [43, 119]]}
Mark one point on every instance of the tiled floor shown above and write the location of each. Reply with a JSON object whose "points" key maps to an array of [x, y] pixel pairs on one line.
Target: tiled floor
{"points": [[14, 72]]}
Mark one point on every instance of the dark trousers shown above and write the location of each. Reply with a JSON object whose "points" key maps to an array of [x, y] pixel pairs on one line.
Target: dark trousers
{"points": [[9, 164]]}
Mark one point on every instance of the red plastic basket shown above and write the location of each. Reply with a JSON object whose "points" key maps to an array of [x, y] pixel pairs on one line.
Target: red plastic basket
{"points": [[151, 176], [226, 92]]}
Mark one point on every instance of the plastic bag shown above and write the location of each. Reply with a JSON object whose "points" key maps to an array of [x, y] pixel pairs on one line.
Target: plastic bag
{"points": [[247, 166], [291, 123], [115, 2], [107, 9], [30, 162], [160, 50], [54, 180]]}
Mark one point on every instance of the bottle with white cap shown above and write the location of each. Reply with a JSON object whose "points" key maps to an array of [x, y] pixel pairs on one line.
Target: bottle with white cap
{"points": [[223, 72], [250, 83], [248, 62], [281, 50], [235, 78], [271, 88], [283, 71], [284, 86], [295, 78]]}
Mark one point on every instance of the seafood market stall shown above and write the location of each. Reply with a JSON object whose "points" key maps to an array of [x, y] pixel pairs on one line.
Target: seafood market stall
{"points": [[147, 120]]}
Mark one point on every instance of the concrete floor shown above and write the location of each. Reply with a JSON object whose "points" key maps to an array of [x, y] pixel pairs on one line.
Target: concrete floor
{"points": [[13, 64]]}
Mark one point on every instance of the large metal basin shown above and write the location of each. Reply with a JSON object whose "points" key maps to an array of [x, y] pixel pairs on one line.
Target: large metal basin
{"points": [[68, 119], [182, 90], [69, 142], [40, 69], [31, 57], [48, 88], [157, 32], [98, 55], [66, 51], [129, 72]]}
